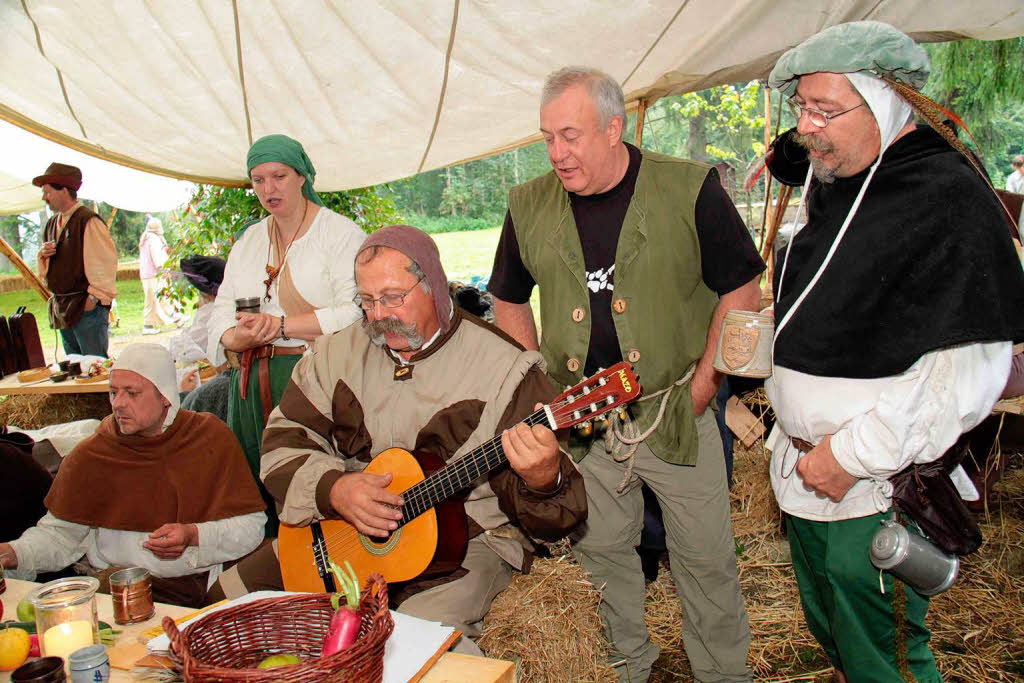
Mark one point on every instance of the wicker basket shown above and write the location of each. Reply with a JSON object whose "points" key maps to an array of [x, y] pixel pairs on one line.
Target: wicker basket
{"points": [[228, 644]]}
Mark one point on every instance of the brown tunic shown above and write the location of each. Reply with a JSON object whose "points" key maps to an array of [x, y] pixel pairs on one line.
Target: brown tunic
{"points": [[193, 472], [65, 273]]}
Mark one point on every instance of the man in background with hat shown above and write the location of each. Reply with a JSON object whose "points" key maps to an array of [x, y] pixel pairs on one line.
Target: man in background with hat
{"points": [[422, 375], [78, 262], [155, 487], [896, 306]]}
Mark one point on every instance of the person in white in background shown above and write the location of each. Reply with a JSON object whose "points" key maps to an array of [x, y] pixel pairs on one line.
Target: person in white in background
{"points": [[154, 487], [1015, 181], [153, 251]]}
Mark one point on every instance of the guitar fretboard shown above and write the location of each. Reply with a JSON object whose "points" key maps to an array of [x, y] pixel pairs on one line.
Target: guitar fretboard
{"points": [[458, 475]]}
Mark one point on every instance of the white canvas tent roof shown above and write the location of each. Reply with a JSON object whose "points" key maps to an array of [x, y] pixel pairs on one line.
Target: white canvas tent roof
{"points": [[18, 195], [26, 155], [378, 90]]}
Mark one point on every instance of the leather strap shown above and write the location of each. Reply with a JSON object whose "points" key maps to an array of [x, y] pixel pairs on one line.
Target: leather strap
{"points": [[266, 400], [802, 445], [261, 355], [269, 351]]}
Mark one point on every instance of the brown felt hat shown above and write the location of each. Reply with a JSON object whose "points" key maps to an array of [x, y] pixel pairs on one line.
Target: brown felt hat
{"points": [[60, 174]]}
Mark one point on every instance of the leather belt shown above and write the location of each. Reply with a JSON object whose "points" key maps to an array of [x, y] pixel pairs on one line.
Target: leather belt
{"points": [[262, 355], [801, 445]]}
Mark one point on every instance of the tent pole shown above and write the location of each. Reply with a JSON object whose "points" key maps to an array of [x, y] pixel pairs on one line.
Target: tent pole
{"points": [[767, 218], [641, 112], [31, 278], [113, 212]]}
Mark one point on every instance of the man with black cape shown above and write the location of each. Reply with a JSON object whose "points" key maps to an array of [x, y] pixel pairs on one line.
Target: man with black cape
{"points": [[896, 308]]}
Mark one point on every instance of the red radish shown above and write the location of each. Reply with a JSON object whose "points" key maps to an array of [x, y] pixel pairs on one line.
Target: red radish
{"points": [[33, 645], [344, 627]]}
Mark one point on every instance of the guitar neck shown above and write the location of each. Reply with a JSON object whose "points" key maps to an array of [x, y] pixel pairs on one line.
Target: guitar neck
{"points": [[458, 475]]}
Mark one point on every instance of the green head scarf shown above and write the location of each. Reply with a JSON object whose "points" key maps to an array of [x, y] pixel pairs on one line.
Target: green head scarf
{"points": [[869, 47], [285, 150]]}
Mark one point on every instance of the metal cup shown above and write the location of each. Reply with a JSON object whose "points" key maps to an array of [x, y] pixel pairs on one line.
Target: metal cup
{"points": [[132, 593], [249, 304], [913, 559]]}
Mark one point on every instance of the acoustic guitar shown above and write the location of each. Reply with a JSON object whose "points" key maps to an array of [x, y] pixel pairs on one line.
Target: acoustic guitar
{"points": [[432, 535]]}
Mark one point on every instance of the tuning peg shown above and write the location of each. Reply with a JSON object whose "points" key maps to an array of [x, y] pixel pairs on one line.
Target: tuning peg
{"points": [[585, 428], [622, 414], [605, 423]]}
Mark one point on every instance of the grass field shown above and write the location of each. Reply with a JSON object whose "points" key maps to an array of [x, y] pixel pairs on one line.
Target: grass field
{"points": [[465, 254]]}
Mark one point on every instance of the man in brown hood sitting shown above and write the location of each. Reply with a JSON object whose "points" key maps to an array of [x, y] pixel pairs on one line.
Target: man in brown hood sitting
{"points": [[154, 487]]}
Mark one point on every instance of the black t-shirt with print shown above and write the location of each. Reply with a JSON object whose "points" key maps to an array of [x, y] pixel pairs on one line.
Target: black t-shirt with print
{"points": [[727, 253]]}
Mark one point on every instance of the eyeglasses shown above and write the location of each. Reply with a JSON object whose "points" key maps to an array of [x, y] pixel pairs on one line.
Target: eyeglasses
{"points": [[816, 116], [387, 301]]}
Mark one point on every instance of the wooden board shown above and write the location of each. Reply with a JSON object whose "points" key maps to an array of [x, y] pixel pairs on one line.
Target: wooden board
{"points": [[10, 386], [743, 423], [457, 668]]}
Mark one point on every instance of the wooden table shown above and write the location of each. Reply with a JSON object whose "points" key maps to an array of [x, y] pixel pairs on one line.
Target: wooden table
{"points": [[450, 668], [10, 385]]}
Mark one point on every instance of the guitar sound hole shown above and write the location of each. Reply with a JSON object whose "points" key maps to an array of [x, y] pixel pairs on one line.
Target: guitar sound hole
{"points": [[380, 546]]}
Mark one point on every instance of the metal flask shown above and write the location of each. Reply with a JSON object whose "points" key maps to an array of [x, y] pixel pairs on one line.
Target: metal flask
{"points": [[913, 559]]}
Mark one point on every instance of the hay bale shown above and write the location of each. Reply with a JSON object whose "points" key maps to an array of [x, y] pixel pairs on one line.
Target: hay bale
{"points": [[32, 411], [547, 623]]}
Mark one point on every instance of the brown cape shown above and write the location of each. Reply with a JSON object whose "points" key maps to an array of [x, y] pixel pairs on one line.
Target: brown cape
{"points": [[193, 472]]}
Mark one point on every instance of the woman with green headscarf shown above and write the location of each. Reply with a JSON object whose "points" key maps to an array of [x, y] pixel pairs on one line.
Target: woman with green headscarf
{"points": [[298, 261]]}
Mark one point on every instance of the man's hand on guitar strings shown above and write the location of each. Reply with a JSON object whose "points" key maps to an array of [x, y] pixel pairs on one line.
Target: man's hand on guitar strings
{"points": [[532, 453], [363, 501]]}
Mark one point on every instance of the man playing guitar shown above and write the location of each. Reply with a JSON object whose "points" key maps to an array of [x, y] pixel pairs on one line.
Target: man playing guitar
{"points": [[420, 375]]}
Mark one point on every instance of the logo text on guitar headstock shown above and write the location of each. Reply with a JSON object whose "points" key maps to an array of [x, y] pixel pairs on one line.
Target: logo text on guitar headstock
{"points": [[626, 386]]}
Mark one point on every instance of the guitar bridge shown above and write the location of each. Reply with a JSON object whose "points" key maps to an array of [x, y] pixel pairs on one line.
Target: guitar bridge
{"points": [[321, 558]]}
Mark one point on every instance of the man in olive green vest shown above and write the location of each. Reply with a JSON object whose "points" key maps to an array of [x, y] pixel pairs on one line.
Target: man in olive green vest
{"points": [[638, 256]]}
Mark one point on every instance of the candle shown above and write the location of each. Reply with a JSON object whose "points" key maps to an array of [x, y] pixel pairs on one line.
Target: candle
{"points": [[63, 639]]}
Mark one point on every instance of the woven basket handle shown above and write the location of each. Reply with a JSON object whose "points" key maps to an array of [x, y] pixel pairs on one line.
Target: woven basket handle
{"points": [[171, 629], [376, 587]]}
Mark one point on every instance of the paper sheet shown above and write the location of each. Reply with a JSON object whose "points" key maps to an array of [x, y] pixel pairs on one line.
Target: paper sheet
{"points": [[412, 643]]}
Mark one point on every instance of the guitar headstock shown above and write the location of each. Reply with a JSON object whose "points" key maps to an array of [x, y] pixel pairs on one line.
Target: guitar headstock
{"points": [[596, 395]]}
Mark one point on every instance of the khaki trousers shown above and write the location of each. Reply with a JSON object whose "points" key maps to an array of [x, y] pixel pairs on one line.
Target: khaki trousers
{"points": [[695, 504], [464, 602]]}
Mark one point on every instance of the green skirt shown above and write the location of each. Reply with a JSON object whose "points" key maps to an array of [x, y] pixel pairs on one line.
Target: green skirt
{"points": [[245, 418]]}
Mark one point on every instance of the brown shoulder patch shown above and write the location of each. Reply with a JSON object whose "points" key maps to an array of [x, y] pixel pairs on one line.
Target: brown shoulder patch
{"points": [[349, 429], [297, 408], [449, 428]]}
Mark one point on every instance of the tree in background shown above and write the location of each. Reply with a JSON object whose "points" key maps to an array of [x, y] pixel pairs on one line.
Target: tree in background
{"points": [[217, 216], [983, 83]]}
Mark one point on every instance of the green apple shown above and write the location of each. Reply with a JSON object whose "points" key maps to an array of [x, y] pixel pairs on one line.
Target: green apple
{"points": [[278, 660], [26, 610]]}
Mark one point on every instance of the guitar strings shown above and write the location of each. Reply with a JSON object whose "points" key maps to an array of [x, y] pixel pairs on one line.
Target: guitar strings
{"points": [[418, 497], [422, 496]]}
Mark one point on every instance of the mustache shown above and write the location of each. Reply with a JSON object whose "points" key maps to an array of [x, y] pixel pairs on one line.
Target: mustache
{"points": [[378, 328], [813, 143]]}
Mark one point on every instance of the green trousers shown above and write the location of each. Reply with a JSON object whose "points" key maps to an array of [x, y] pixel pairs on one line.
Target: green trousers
{"points": [[245, 418], [867, 634]]}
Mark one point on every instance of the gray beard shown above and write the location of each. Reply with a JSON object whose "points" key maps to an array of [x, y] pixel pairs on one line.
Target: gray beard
{"points": [[377, 329], [823, 173]]}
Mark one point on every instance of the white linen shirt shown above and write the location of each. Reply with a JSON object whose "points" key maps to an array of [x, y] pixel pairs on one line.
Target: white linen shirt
{"points": [[322, 267], [54, 543], [880, 426]]}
